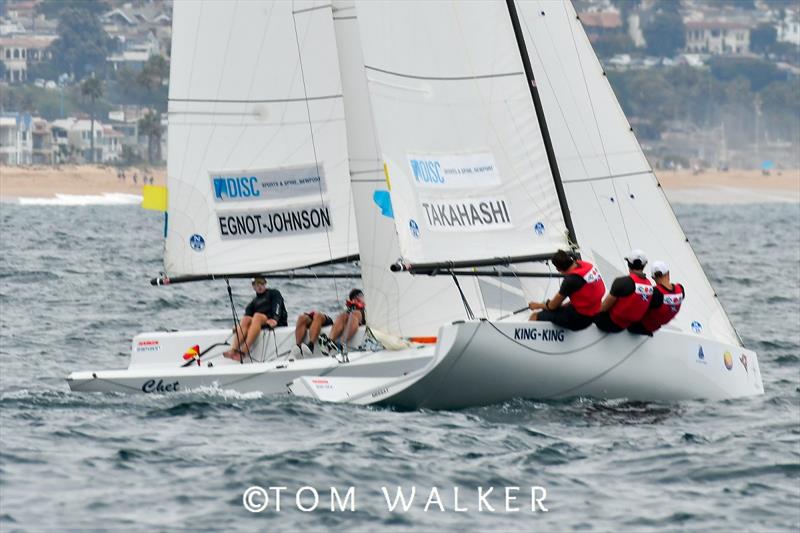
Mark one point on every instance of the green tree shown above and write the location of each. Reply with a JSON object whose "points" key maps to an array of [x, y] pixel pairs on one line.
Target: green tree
{"points": [[153, 73], [665, 34], [763, 37], [758, 72], [609, 45], [92, 88], [82, 44], [54, 8], [150, 126]]}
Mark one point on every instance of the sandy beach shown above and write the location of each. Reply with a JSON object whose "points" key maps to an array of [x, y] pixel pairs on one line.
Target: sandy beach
{"points": [[683, 186], [83, 180]]}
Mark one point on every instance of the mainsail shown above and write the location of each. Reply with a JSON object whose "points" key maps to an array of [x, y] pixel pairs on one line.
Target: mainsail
{"points": [[258, 175], [615, 200], [465, 159]]}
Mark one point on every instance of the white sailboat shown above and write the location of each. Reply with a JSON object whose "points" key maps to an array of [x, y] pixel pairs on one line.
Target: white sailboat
{"points": [[460, 166]]}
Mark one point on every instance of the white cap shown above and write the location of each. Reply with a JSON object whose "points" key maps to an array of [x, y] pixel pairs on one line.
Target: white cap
{"points": [[636, 255], [659, 266]]}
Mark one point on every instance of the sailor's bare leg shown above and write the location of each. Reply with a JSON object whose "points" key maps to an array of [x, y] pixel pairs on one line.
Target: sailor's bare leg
{"points": [[316, 327], [239, 332], [254, 330], [338, 326], [534, 317], [352, 325], [303, 321]]}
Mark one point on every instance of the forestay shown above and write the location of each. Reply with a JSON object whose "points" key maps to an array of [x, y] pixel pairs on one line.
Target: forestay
{"points": [[615, 200], [458, 133], [257, 172]]}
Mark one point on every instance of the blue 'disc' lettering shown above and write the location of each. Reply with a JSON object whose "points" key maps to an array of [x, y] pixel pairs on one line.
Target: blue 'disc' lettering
{"points": [[427, 171], [236, 187]]}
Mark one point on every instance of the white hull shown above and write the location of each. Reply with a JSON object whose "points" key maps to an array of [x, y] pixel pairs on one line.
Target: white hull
{"points": [[157, 359], [479, 363], [473, 363]]}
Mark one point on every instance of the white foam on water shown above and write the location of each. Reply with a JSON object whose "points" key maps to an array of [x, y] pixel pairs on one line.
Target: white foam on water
{"points": [[82, 200]]}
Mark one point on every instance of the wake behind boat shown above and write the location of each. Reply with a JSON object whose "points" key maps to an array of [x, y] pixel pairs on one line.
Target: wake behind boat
{"points": [[455, 146]]}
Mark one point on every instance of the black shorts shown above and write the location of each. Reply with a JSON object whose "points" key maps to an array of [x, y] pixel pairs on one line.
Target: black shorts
{"points": [[638, 329], [567, 317], [328, 320], [604, 323]]}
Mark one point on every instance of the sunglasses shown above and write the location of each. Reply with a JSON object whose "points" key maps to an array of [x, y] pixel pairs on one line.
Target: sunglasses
{"points": [[261, 283]]}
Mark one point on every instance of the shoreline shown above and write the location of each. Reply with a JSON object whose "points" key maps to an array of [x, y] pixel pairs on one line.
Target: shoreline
{"points": [[46, 184]]}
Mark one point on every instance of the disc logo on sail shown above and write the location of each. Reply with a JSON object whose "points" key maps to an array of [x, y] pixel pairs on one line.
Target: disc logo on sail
{"points": [[453, 170], [267, 184]]}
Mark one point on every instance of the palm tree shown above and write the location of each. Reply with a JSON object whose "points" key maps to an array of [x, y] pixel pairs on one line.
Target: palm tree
{"points": [[150, 125], [93, 88]]}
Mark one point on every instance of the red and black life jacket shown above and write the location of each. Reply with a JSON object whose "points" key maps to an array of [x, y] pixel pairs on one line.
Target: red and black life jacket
{"points": [[631, 308], [587, 299], [655, 318]]}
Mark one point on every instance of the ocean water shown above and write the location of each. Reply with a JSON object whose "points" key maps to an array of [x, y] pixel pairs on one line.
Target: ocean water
{"points": [[74, 289]]}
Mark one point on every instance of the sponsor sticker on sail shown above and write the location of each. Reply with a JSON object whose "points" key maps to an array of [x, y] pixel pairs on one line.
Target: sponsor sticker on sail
{"points": [[267, 184], [453, 170], [274, 222], [471, 214]]}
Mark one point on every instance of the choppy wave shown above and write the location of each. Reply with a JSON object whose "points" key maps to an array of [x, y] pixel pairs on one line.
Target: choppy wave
{"points": [[73, 292], [84, 200]]}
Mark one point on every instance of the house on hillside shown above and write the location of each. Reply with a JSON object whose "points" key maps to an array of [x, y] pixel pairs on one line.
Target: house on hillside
{"points": [[718, 37], [601, 23], [19, 52]]}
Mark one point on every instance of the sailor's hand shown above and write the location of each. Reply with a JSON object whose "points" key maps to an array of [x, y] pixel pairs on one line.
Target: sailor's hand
{"points": [[271, 322], [533, 306]]}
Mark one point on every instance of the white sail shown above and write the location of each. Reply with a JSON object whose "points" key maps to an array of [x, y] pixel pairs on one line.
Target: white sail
{"points": [[458, 133], [257, 171], [397, 302], [614, 198]]}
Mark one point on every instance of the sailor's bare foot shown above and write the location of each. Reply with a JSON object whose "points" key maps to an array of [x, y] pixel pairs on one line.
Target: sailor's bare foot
{"points": [[236, 355]]}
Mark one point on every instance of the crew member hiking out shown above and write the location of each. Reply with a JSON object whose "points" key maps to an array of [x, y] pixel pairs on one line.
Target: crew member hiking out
{"points": [[584, 288], [667, 300], [629, 298], [347, 323], [265, 310]]}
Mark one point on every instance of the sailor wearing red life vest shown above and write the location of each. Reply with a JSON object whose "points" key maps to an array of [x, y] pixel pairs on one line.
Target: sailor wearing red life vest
{"points": [[629, 298], [584, 287], [667, 300]]}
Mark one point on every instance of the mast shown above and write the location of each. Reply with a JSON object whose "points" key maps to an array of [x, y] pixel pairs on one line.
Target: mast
{"points": [[537, 104]]}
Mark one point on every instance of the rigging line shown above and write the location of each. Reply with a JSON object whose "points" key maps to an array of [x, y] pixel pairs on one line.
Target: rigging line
{"points": [[306, 10], [470, 314], [313, 140], [444, 78], [708, 307], [596, 122], [546, 77], [236, 328], [569, 130], [611, 176]]}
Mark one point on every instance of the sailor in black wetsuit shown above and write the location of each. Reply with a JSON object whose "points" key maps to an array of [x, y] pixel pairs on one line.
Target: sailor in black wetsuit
{"points": [[265, 310]]}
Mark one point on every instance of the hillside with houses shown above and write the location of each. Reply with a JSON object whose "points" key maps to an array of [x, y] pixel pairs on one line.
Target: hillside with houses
{"points": [[705, 83]]}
